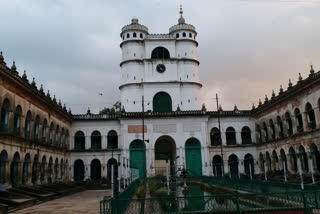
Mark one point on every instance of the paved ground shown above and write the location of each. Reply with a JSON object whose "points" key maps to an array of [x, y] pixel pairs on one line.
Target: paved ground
{"points": [[83, 202]]}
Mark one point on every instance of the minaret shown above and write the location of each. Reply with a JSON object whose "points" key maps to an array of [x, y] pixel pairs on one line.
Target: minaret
{"points": [[161, 67]]}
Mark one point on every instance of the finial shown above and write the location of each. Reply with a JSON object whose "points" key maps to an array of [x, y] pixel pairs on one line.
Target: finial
{"points": [[290, 84], [253, 106], [64, 107], [220, 108], [13, 67], [41, 89], [88, 111], [1, 58], [48, 94], [33, 83], [59, 103], [178, 108], [181, 11], [181, 19], [281, 89], [311, 69], [235, 107], [273, 94], [69, 111], [123, 110], [54, 99], [260, 103], [266, 99], [24, 76], [203, 108], [300, 77]]}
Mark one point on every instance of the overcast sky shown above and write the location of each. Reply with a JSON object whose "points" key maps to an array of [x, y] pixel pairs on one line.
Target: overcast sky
{"points": [[246, 47]]}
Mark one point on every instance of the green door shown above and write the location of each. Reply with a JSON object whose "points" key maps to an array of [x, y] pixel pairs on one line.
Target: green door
{"points": [[138, 157], [162, 102], [193, 157]]}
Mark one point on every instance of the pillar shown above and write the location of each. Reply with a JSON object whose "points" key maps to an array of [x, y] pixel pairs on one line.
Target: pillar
{"points": [[88, 142], [7, 173]]}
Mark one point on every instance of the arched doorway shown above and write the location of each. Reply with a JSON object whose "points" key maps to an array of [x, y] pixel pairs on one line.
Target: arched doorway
{"points": [[14, 169], [233, 166], [162, 102], [293, 160], [55, 169], [304, 159], [193, 157], [78, 170], [248, 165], [315, 156], [165, 150], [25, 173], [113, 162], [42, 168], [3, 163], [95, 169], [138, 157], [50, 169], [217, 165], [35, 169]]}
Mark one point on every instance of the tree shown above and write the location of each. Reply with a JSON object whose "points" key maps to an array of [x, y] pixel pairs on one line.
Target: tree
{"points": [[113, 110]]}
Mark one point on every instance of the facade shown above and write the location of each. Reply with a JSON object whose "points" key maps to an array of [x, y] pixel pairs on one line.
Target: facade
{"points": [[34, 131], [161, 121]]}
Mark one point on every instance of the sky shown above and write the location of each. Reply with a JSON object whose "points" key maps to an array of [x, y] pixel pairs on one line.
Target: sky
{"points": [[247, 48]]}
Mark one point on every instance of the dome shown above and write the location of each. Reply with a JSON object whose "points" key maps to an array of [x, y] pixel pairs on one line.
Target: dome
{"points": [[135, 25], [181, 24]]}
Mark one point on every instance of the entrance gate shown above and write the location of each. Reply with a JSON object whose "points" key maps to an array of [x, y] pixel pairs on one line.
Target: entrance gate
{"points": [[138, 157], [193, 157]]}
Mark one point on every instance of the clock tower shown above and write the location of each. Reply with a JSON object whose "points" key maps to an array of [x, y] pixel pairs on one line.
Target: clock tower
{"points": [[164, 68]]}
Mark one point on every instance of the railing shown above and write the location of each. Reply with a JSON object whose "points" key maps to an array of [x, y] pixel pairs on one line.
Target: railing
{"points": [[240, 196]]}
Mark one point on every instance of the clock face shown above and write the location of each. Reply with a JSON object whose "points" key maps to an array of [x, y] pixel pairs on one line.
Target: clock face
{"points": [[161, 68]]}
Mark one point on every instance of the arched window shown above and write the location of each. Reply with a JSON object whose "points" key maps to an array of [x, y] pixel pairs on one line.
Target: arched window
{"points": [[215, 137], [17, 121], [162, 102], [310, 116], [246, 135], [275, 160], [190, 35], [184, 34], [289, 124], [217, 165], [293, 160], [57, 136], [272, 129], [265, 131], [258, 131], [134, 35], [299, 120], [44, 130], [233, 166], [51, 133], [268, 162], [36, 128], [283, 159], [141, 36], [96, 140], [231, 136], [14, 169], [248, 165], [27, 126], [160, 53], [280, 127], [177, 35], [112, 140], [304, 159], [128, 35], [4, 123]]}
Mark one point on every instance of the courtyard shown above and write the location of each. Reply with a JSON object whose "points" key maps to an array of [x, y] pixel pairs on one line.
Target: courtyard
{"points": [[82, 202]]}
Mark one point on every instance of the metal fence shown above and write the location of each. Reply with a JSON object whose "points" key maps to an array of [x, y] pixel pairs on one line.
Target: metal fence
{"points": [[247, 197]]}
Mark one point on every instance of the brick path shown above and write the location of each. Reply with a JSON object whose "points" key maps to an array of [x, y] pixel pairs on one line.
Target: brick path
{"points": [[83, 202]]}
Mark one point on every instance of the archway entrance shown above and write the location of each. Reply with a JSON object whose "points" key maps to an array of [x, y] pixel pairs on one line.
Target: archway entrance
{"points": [[113, 162], [193, 157], [78, 170], [165, 150], [95, 169], [138, 157], [217, 165]]}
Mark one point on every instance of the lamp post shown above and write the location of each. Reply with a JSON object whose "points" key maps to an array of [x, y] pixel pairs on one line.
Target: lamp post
{"points": [[221, 148], [311, 164], [119, 173]]}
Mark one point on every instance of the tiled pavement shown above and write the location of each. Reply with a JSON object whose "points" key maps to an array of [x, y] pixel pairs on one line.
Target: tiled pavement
{"points": [[83, 202]]}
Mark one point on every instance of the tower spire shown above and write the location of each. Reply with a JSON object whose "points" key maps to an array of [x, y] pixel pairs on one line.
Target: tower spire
{"points": [[181, 11], [181, 19]]}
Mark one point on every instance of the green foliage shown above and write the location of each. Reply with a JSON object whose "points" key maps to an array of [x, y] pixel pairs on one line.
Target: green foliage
{"points": [[141, 191], [113, 110]]}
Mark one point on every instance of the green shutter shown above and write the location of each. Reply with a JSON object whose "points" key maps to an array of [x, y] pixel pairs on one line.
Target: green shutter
{"points": [[138, 157], [162, 102], [193, 157]]}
